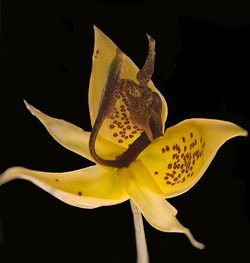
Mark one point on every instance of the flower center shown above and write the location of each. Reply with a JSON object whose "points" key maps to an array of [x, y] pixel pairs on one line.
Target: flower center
{"points": [[133, 111]]}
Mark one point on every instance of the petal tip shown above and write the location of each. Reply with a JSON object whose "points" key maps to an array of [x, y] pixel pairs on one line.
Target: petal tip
{"points": [[26, 104], [192, 240], [31, 108], [97, 30], [245, 133]]}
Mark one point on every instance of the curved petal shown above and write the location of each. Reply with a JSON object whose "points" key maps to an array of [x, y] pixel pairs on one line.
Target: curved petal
{"points": [[180, 157], [73, 137], [159, 213], [90, 187], [103, 55]]}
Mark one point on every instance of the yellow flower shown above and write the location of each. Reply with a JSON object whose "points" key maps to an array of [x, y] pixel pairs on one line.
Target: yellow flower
{"points": [[134, 159]]}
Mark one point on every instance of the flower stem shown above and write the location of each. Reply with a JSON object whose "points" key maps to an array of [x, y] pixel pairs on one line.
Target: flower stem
{"points": [[141, 244]]}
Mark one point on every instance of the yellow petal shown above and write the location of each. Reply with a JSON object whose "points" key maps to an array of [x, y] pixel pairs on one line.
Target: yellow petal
{"points": [[90, 187], [180, 157], [104, 52], [158, 212], [73, 137]]}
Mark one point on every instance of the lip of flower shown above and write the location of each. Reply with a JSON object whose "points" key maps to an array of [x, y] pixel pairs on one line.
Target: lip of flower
{"points": [[170, 164]]}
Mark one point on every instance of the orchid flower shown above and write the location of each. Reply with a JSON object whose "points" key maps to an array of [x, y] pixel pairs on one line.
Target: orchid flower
{"points": [[135, 157]]}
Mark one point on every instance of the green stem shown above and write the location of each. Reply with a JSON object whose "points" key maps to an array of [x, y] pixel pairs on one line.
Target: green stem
{"points": [[141, 244]]}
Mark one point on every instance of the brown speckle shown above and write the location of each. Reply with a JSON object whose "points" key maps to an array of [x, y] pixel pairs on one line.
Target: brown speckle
{"points": [[79, 193]]}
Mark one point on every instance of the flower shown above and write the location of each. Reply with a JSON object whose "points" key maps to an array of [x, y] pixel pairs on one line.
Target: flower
{"points": [[134, 159]]}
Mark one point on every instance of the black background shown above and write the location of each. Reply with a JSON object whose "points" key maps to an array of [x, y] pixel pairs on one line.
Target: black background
{"points": [[202, 69]]}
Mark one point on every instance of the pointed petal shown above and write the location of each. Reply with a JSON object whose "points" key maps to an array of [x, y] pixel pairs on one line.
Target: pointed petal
{"points": [[73, 137], [180, 157], [158, 212], [103, 55], [85, 188]]}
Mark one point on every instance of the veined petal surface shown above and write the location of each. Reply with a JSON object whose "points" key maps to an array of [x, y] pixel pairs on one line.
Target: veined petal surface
{"points": [[149, 199], [179, 158], [90, 187], [74, 138]]}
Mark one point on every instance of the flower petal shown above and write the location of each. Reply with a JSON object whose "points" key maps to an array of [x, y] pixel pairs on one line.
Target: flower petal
{"points": [[90, 187], [73, 137], [180, 157], [143, 191], [113, 129]]}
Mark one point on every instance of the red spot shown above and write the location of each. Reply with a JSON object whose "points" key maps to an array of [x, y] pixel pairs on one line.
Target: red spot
{"points": [[120, 140], [115, 134], [163, 150], [131, 136], [134, 132], [185, 148], [129, 127], [167, 148], [170, 166], [191, 135], [183, 139], [111, 126], [126, 137], [156, 172], [79, 193]]}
